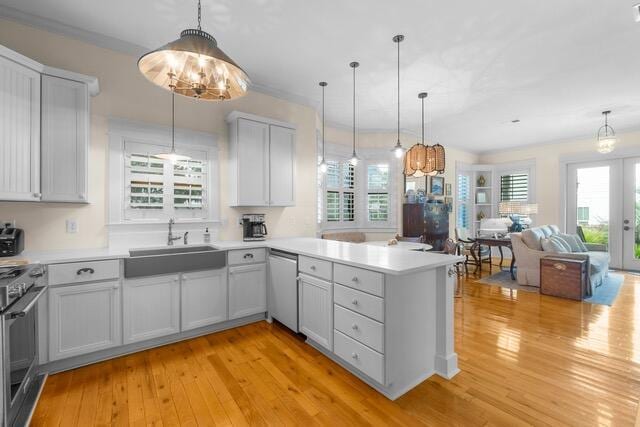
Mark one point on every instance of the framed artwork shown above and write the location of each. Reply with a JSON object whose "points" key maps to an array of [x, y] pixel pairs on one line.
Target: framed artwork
{"points": [[437, 185], [481, 197], [447, 189]]}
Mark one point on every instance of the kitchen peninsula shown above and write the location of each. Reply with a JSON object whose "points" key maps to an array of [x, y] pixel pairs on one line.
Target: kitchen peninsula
{"points": [[386, 315]]}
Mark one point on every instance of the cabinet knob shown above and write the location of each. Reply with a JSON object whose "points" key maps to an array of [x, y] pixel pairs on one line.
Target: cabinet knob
{"points": [[80, 196], [313, 267], [37, 195], [354, 279], [354, 355], [354, 327], [354, 302]]}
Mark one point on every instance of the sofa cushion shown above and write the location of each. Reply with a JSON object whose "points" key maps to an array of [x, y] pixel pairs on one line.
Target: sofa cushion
{"points": [[554, 229], [531, 237], [556, 245], [572, 241], [546, 230]]}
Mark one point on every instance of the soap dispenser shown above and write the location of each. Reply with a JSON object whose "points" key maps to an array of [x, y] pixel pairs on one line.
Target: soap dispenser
{"points": [[207, 235]]}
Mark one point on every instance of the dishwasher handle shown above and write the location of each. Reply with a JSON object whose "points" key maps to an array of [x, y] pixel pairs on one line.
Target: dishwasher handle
{"points": [[282, 254]]}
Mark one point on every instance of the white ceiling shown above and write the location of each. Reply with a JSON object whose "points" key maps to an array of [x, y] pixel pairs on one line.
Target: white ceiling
{"points": [[555, 65]]}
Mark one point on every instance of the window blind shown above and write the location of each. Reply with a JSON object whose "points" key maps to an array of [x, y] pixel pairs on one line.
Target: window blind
{"points": [[514, 187]]}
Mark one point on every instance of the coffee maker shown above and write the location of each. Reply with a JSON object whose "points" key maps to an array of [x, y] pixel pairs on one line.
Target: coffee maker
{"points": [[253, 227]]}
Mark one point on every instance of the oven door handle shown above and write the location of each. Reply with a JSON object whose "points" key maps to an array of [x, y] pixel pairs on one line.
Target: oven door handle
{"points": [[26, 303]]}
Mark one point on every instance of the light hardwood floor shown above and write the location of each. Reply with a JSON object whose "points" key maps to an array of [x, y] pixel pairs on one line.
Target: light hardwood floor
{"points": [[525, 359]]}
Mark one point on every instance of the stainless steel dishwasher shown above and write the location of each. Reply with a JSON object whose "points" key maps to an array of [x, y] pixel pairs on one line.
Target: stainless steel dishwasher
{"points": [[283, 288]]}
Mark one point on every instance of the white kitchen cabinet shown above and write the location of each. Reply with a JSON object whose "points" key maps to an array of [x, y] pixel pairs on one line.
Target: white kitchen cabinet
{"points": [[282, 158], [316, 310], [261, 161], [204, 298], [247, 290], [151, 307], [65, 139], [83, 318], [19, 131]]}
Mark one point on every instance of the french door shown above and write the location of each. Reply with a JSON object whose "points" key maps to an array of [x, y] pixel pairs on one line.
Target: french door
{"points": [[603, 203]]}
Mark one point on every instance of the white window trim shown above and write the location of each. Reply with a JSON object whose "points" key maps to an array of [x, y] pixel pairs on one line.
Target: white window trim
{"points": [[121, 131], [342, 153]]}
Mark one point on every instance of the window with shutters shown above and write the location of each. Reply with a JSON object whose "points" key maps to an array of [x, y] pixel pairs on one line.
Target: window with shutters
{"points": [[514, 186], [463, 198], [340, 192], [378, 192]]}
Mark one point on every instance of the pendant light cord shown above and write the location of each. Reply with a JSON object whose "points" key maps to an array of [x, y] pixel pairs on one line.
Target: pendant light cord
{"points": [[423, 121], [173, 120], [354, 109], [399, 90], [323, 85]]}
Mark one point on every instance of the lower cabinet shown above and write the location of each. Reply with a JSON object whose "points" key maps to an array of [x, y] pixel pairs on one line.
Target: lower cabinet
{"points": [[83, 318], [316, 310], [247, 290], [204, 298], [151, 307]]}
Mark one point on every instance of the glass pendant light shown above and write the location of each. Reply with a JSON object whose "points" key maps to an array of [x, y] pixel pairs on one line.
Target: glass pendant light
{"points": [[398, 151], [606, 142], [172, 156], [196, 65], [354, 157], [323, 163]]}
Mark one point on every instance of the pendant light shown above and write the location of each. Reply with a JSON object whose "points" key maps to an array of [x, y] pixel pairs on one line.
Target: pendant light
{"points": [[606, 142], [323, 163], [172, 156], [196, 65], [398, 150], [422, 159], [354, 157]]}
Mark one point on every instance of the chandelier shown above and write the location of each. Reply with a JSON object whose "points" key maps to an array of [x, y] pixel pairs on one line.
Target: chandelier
{"points": [[194, 66], [422, 159], [606, 141]]}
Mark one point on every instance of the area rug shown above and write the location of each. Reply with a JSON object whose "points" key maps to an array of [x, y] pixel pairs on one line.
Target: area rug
{"points": [[503, 279], [606, 293]]}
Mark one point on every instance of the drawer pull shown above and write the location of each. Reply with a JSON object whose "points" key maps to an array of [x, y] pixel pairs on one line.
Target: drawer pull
{"points": [[354, 327], [559, 266], [354, 279], [85, 270], [354, 302], [313, 267], [354, 355], [247, 256]]}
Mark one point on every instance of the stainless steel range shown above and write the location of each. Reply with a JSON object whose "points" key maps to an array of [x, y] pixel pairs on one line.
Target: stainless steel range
{"points": [[20, 289]]}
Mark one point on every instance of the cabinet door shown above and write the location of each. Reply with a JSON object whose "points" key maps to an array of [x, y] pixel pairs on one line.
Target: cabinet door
{"points": [[253, 163], [83, 318], [65, 139], [151, 307], [316, 310], [282, 153], [19, 132], [247, 290], [204, 298]]}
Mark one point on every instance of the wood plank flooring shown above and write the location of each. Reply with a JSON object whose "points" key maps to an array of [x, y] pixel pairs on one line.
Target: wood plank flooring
{"points": [[526, 359]]}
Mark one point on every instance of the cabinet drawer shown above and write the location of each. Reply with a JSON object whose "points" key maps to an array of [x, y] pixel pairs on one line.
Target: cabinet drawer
{"points": [[359, 278], [89, 271], [247, 256], [370, 362], [361, 328], [359, 302], [315, 267]]}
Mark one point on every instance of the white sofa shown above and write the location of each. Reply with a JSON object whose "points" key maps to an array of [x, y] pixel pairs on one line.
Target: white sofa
{"points": [[527, 248]]}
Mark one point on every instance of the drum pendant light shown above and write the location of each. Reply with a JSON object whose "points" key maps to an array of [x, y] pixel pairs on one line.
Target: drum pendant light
{"points": [[354, 156], [196, 66], [398, 151], [172, 156], [323, 163], [423, 159]]}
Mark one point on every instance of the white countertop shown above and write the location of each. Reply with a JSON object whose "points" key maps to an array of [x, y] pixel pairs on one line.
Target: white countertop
{"points": [[378, 258]]}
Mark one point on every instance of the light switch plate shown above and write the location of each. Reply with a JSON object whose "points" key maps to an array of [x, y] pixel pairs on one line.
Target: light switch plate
{"points": [[72, 225]]}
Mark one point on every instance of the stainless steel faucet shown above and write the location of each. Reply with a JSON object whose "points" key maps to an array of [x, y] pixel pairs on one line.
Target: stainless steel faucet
{"points": [[170, 238], [184, 237]]}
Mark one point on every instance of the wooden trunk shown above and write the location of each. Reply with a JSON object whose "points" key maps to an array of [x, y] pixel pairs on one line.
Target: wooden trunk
{"points": [[564, 277]]}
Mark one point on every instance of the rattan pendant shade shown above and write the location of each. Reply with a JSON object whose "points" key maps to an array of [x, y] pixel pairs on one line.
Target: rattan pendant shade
{"points": [[422, 159]]}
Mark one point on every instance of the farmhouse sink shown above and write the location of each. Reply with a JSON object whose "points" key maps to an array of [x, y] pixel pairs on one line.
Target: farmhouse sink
{"points": [[171, 260]]}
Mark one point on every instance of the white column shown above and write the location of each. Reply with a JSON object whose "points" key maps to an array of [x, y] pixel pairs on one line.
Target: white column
{"points": [[446, 359]]}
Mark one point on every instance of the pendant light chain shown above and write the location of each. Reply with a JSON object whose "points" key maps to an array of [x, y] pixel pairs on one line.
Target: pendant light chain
{"points": [[199, 15], [354, 108], [173, 121]]}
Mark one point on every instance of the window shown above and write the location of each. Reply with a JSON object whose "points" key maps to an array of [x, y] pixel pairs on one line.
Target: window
{"points": [[159, 189], [514, 187], [463, 192], [377, 192], [340, 194], [583, 215]]}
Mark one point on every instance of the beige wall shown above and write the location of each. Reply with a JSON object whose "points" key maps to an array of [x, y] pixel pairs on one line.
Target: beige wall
{"points": [[125, 93], [548, 158]]}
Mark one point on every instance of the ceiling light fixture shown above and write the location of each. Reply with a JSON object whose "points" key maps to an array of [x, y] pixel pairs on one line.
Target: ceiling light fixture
{"points": [[194, 66], [606, 142], [398, 150], [422, 159], [323, 163], [354, 156], [172, 156]]}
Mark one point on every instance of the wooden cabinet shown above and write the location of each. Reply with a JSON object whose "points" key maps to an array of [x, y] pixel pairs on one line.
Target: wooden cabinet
{"points": [[65, 139], [83, 318], [412, 220], [261, 161], [247, 290], [316, 310], [151, 307], [204, 298], [19, 132]]}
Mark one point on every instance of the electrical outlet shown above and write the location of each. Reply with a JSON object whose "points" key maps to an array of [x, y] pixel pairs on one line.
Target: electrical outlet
{"points": [[8, 223], [72, 225]]}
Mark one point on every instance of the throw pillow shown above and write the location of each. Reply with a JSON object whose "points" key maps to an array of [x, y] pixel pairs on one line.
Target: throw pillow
{"points": [[550, 245], [559, 240], [531, 237], [572, 241]]}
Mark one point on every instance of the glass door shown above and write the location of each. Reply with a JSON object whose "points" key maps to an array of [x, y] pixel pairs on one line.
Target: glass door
{"points": [[631, 214]]}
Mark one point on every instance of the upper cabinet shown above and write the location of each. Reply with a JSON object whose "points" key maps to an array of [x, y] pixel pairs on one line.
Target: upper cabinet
{"points": [[261, 161], [44, 131]]}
